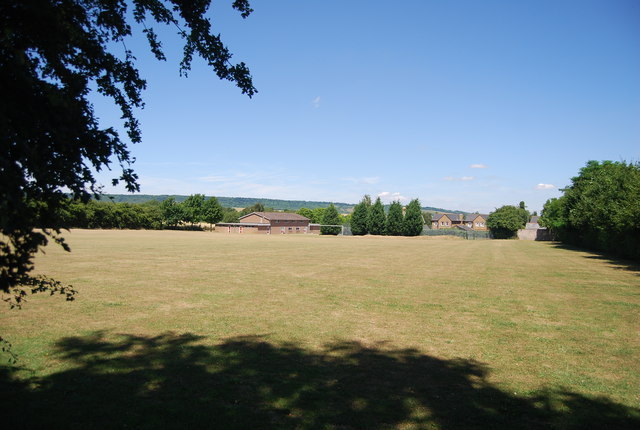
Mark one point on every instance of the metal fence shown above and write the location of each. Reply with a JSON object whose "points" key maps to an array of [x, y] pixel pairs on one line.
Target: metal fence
{"points": [[469, 235]]}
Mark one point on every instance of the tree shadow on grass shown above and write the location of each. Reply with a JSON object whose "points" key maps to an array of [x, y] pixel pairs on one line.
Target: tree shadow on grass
{"points": [[613, 261], [173, 381]]}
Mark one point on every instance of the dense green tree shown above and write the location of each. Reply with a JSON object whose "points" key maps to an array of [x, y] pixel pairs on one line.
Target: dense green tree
{"points": [[505, 221], [524, 213], [413, 223], [230, 215], [554, 215], [331, 217], [600, 209], [395, 219], [211, 211], [360, 217], [318, 215], [193, 209], [171, 212], [305, 212], [53, 54], [377, 218]]}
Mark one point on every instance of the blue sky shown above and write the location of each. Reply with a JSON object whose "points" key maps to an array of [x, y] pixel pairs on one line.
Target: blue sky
{"points": [[465, 105]]}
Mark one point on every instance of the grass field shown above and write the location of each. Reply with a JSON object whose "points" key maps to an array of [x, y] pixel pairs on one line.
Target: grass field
{"points": [[190, 329]]}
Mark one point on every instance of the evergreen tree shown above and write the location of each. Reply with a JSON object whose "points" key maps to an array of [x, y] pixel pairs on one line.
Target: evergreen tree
{"points": [[360, 217], [395, 219], [331, 217], [377, 218], [413, 223]]}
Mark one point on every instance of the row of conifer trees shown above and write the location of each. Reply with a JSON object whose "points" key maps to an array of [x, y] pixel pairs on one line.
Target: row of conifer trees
{"points": [[368, 218]]}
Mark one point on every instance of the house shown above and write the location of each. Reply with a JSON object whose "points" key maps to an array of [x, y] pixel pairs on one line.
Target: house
{"points": [[442, 221], [270, 222], [465, 222]]}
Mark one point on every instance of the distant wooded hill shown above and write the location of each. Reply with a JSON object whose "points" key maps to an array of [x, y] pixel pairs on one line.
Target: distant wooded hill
{"points": [[243, 202]]}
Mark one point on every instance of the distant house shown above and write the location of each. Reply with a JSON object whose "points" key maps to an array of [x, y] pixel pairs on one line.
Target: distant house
{"points": [[270, 223], [442, 220], [465, 222]]}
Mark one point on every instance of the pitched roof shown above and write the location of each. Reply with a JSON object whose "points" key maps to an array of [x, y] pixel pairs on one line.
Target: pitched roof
{"points": [[280, 216], [471, 217], [437, 217]]}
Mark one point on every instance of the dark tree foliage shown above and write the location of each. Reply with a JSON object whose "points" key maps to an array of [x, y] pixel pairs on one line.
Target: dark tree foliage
{"points": [[318, 215], [193, 209], [230, 215], [428, 218], [505, 221], [212, 211], [256, 207], [331, 218], [52, 53], [524, 213], [305, 212], [413, 223], [600, 209], [394, 219], [171, 212], [360, 217], [377, 218]]}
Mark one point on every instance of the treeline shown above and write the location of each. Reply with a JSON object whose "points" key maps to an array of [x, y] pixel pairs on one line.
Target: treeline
{"points": [[191, 213], [368, 218], [151, 215], [600, 209], [241, 202], [236, 202]]}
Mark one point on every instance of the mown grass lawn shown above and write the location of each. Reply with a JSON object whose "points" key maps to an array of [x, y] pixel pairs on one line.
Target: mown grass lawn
{"points": [[189, 329]]}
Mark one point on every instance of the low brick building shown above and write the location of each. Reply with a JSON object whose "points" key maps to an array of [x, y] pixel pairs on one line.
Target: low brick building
{"points": [[270, 223]]}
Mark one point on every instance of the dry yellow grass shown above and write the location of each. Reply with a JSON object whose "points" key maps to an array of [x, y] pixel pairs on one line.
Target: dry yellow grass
{"points": [[538, 316]]}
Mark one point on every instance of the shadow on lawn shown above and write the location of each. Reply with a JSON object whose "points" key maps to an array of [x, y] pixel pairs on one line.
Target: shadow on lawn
{"points": [[172, 381], [614, 262]]}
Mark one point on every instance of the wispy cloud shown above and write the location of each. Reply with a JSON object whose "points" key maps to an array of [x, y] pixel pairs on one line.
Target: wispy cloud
{"points": [[462, 178], [479, 166], [370, 180], [545, 187], [316, 102], [387, 196]]}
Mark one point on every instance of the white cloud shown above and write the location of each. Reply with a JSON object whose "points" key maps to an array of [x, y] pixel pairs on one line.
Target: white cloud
{"points": [[479, 166], [387, 196], [316, 102], [545, 187], [462, 178]]}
